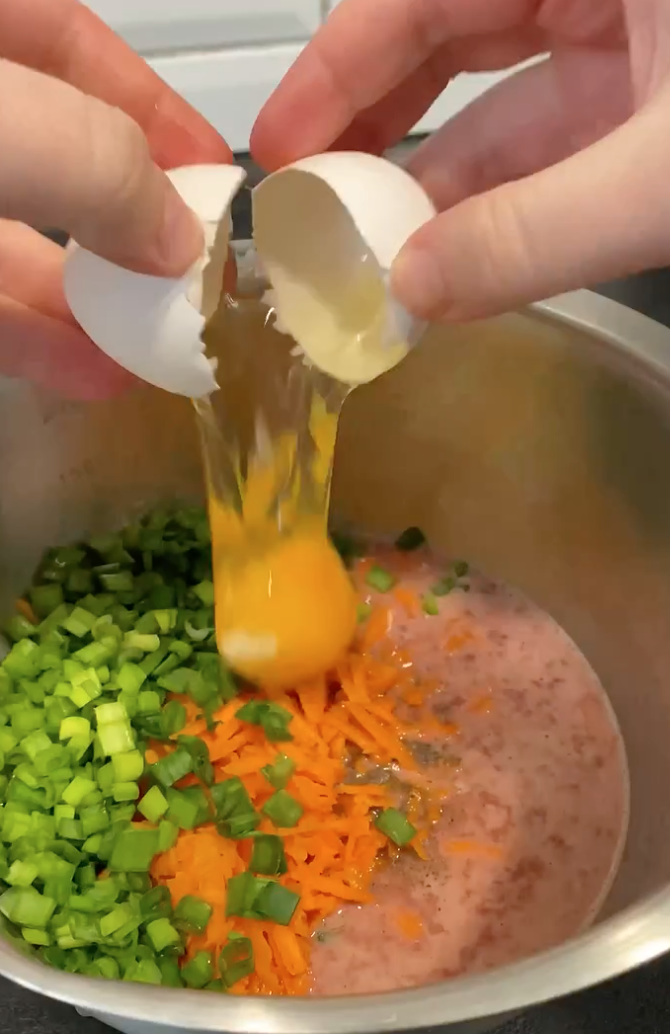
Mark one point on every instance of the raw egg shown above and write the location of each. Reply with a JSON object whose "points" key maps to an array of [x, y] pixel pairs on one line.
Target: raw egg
{"points": [[327, 230]]}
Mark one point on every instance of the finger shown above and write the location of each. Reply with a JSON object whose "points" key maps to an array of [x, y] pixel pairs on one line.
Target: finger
{"points": [[533, 119], [367, 48], [600, 214], [390, 119], [72, 44], [55, 355], [102, 186], [31, 270]]}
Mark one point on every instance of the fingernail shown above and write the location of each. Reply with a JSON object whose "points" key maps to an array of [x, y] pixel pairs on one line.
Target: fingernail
{"points": [[181, 237], [417, 282]]}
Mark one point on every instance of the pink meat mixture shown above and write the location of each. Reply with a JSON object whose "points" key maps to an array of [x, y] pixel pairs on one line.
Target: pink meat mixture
{"points": [[536, 787]]}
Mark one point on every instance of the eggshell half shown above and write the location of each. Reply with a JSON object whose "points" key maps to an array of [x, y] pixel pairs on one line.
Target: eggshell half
{"points": [[317, 224], [152, 325]]}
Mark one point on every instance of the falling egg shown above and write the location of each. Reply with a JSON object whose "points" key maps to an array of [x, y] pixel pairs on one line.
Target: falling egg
{"points": [[327, 230]]}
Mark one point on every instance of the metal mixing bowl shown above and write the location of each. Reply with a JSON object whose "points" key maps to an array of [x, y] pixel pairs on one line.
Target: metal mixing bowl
{"points": [[538, 446]]}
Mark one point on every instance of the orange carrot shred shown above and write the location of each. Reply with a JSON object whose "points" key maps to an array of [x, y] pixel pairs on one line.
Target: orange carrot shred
{"points": [[346, 723]]}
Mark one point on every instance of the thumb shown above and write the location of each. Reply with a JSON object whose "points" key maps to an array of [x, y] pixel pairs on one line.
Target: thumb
{"points": [[93, 178], [600, 214]]}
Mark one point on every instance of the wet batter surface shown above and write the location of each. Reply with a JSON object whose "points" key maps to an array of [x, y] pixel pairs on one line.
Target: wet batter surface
{"points": [[518, 741]]}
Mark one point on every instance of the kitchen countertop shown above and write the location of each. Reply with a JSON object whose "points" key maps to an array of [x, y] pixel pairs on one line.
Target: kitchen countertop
{"points": [[638, 1003]]}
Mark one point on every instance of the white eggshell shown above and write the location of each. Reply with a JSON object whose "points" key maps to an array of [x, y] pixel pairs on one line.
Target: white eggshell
{"points": [[319, 224], [152, 325]]}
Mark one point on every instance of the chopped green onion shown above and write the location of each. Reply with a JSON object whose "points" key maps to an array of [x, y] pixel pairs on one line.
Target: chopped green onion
{"points": [[241, 894], [25, 906], [277, 903], [236, 960], [199, 753], [253, 897], [267, 855], [168, 833], [128, 767], [363, 612], [205, 593], [235, 816], [144, 971], [45, 598], [170, 972], [117, 581], [116, 738], [283, 810], [430, 604], [173, 767], [273, 718], [196, 634], [125, 792], [130, 677], [74, 726], [279, 772], [37, 937], [134, 850], [461, 568], [162, 934], [410, 539], [182, 810], [199, 971], [79, 622], [156, 903], [192, 914], [380, 579], [19, 627], [78, 789], [396, 826], [138, 641], [21, 873], [153, 805], [444, 586]]}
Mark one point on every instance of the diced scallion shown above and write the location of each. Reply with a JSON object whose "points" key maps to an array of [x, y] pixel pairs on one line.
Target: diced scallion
{"points": [[396, 826], [119, 625], [379, 579]]}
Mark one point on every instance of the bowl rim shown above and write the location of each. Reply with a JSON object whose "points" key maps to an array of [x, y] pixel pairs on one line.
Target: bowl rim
{"points": [[637, 935]]}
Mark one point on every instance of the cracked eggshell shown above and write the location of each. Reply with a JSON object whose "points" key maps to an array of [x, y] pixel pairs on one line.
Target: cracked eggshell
{"points": [[321, 222], [151, 325]]}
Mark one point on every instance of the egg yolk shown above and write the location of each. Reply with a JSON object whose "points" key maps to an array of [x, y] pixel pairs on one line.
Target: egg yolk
{"points": [[285, 605], [287, 614]]}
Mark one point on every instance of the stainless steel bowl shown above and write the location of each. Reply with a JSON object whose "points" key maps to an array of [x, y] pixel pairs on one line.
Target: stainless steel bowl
{"points": [[537, 445]]}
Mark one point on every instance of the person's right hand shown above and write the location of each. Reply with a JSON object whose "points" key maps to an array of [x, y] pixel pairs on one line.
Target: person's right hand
{"points": [[557, 178], [85, 129]]}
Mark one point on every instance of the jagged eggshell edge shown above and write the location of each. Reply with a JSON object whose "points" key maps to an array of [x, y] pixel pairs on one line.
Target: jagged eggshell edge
{"points": [[152, 325]]}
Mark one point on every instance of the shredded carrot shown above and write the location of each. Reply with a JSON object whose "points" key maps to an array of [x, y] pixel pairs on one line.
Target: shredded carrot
{"points": [[410, 924], [471, 849], [26, 611], [341, 725], [408, 600], [481, 705]]}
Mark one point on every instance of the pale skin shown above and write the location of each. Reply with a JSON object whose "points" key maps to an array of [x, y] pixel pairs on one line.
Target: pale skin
{"points": [[85, 129], [556, 179]]}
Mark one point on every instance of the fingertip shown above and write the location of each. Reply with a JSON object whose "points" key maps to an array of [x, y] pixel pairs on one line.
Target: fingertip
{"points": [[417, 281], [175, 245], [268, 143], [181, 236]]}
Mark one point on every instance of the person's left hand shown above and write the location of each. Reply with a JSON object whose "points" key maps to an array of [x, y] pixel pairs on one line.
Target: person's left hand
{"points": [[85, 129]]}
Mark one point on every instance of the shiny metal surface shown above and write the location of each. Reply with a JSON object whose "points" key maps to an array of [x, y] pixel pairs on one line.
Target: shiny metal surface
{"points": [[537, 445]]}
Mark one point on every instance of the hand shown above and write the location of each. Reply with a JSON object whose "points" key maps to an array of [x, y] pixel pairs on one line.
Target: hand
{"points": [[85, 129], [557, 178]]}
